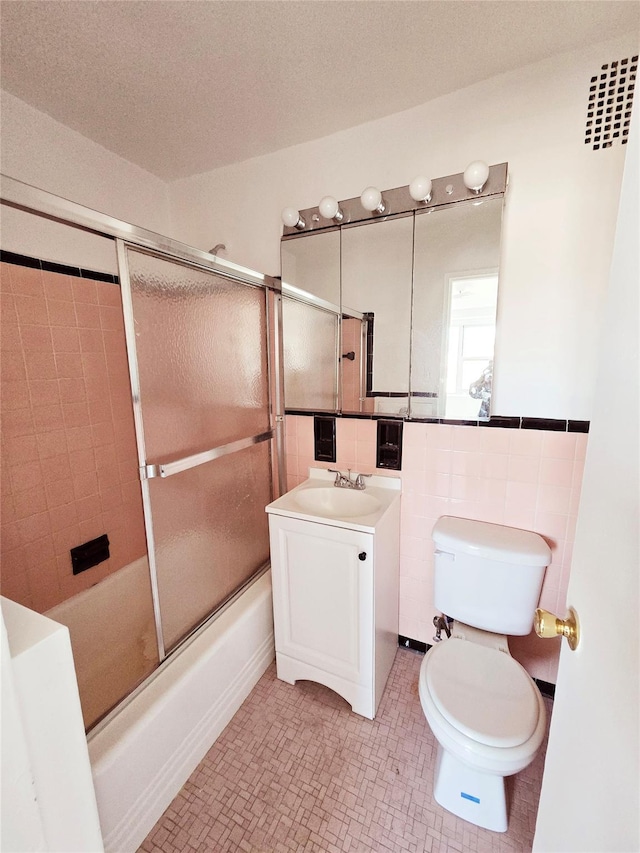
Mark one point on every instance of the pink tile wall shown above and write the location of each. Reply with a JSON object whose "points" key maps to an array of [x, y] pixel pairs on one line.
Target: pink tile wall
{"points": [[522, 478], [351, 342], [69, 461]]}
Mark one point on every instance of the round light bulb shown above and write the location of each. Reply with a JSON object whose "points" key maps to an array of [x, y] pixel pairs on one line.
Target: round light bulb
{"points": [[291, 218], [371, 199], [420, 188], [330, 209], [475, 175]]}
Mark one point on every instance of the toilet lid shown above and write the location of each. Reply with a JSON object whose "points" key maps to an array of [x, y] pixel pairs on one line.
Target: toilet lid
{"points": [[482, 692]]}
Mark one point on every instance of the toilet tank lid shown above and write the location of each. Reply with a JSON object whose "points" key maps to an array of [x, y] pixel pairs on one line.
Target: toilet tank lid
{"points": [[491, 541]]}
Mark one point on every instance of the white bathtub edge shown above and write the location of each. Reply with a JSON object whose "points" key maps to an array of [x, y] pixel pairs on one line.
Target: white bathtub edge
{"points": [[139, 772]]}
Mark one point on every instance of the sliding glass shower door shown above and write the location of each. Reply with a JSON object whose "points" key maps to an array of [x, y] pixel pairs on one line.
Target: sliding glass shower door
{"points": [[198, 356]]}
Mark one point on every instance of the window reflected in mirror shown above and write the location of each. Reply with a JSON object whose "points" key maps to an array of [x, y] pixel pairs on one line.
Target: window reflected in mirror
{"points": [[455, 293]]}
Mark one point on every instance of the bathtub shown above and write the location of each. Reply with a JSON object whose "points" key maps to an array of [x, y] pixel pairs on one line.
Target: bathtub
{"points": [[143, 753]]}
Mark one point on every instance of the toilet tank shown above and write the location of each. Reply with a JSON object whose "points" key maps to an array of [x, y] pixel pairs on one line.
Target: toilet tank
{"points": [[488, 575]]}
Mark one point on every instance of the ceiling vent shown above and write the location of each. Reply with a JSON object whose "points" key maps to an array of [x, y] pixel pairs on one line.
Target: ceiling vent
{"points": [[610, 102]]}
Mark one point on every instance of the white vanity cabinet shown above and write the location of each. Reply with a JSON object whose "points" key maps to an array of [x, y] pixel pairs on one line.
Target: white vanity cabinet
{"points": [[335, 590]]}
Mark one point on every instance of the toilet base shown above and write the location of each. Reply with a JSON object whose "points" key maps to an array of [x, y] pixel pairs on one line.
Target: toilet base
{"points": [[479, 798]]}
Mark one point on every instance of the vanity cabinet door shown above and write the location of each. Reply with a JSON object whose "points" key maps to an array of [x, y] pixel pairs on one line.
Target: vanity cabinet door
{"points": [[323, 597]]}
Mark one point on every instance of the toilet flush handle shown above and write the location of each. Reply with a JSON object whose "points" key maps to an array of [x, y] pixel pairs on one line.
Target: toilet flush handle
{"points": [[547, 625]]}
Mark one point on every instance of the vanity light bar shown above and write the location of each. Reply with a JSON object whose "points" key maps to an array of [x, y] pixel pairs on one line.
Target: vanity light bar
{"points": [[444, 191]]}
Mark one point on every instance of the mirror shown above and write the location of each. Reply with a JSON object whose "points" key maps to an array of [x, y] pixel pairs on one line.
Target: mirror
{"points": [[455, 294], [376, 284], [396, 314]]}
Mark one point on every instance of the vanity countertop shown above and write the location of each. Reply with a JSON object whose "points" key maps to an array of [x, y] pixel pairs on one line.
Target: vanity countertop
{"points": [[318, 500]]}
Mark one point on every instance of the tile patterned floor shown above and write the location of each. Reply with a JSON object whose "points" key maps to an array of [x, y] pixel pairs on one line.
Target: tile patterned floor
{"points": [[296, 770]]}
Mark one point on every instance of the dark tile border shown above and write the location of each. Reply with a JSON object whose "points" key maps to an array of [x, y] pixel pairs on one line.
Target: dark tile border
{"points": [[545, 687], [502, 421], [414, 645], [51, 266]]}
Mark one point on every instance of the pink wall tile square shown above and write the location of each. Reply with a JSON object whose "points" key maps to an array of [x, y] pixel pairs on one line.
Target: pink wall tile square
{"points": [[68, 365], [345, 431], [79, 438], [552, 526], [72, 390], [9, 336], [36, 338], [85, 485], [40, 365], [65, 339], [521, 495], [12, 367], [25, 475], [523, 469], [555, 499], [10, 536], [494, 440], [109, 294], [59, 493], [525, 442], [31, 310], [76, 414], [62, 516], [17, 422], [38, 552], [556, 472], [29, 502], [440, 436], [465, 463], [15, 395], [44, 392], [582, 440], [111, 317], [366, 456], [87, 315], [82, 461], [58, 286], [26, 281], [495, 466], [438, 460], [61, 313], [84, 290], [88, 507], [21, 448], [466, 488], [34, 526], [465, 438], [559, 445], [48, 418], [91, 341], [365, 430]]}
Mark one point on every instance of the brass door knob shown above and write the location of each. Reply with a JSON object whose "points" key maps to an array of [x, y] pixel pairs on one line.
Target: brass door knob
{"points": [[547, 625]]}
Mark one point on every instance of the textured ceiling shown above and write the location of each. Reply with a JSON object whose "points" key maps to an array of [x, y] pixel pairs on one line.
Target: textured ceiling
{"points": [[184, 86]]}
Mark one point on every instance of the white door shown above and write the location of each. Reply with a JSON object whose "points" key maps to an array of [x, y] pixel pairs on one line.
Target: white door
{"points": [[590, 792]]}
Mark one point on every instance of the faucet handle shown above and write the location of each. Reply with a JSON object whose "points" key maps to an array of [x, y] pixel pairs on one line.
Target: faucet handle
{"points": [[339, 476], [360, 480]]}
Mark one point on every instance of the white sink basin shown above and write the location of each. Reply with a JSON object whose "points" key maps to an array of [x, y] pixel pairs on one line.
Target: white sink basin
{"points": [[332, 502]]}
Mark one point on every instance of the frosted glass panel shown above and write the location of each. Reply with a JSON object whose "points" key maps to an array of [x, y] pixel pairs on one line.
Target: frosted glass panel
{"points": [[202, 357], [310, 356], [211, 533]]}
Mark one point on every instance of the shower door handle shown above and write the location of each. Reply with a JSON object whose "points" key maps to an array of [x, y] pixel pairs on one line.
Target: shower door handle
{"points": [[167, 469]]}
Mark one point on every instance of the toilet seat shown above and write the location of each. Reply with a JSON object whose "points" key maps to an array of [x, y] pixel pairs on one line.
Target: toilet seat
{"points": [[482, 693]]}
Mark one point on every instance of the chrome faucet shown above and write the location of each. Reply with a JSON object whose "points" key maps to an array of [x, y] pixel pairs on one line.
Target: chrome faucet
{"points": [[344, 481]]}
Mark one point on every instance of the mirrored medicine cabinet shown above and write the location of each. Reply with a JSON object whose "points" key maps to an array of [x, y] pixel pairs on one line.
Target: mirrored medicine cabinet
{"points": [[395, 314]]}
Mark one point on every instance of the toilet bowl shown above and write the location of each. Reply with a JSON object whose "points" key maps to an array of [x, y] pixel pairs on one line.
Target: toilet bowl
{"points": [[483, 708], [489, 720]]}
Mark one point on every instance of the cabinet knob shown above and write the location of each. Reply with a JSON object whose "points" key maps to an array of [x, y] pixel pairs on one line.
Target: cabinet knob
{"points": [[362, 555]]}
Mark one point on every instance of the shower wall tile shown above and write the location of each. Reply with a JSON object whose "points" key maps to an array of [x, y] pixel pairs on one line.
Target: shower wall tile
{"points": [[522, 478], [69, 460]]}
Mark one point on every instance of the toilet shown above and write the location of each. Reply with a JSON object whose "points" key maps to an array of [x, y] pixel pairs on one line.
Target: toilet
{"points": [[483, 708]]}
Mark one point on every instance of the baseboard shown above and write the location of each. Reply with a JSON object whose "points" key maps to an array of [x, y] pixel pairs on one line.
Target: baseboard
{"points": [[149, 806]]}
